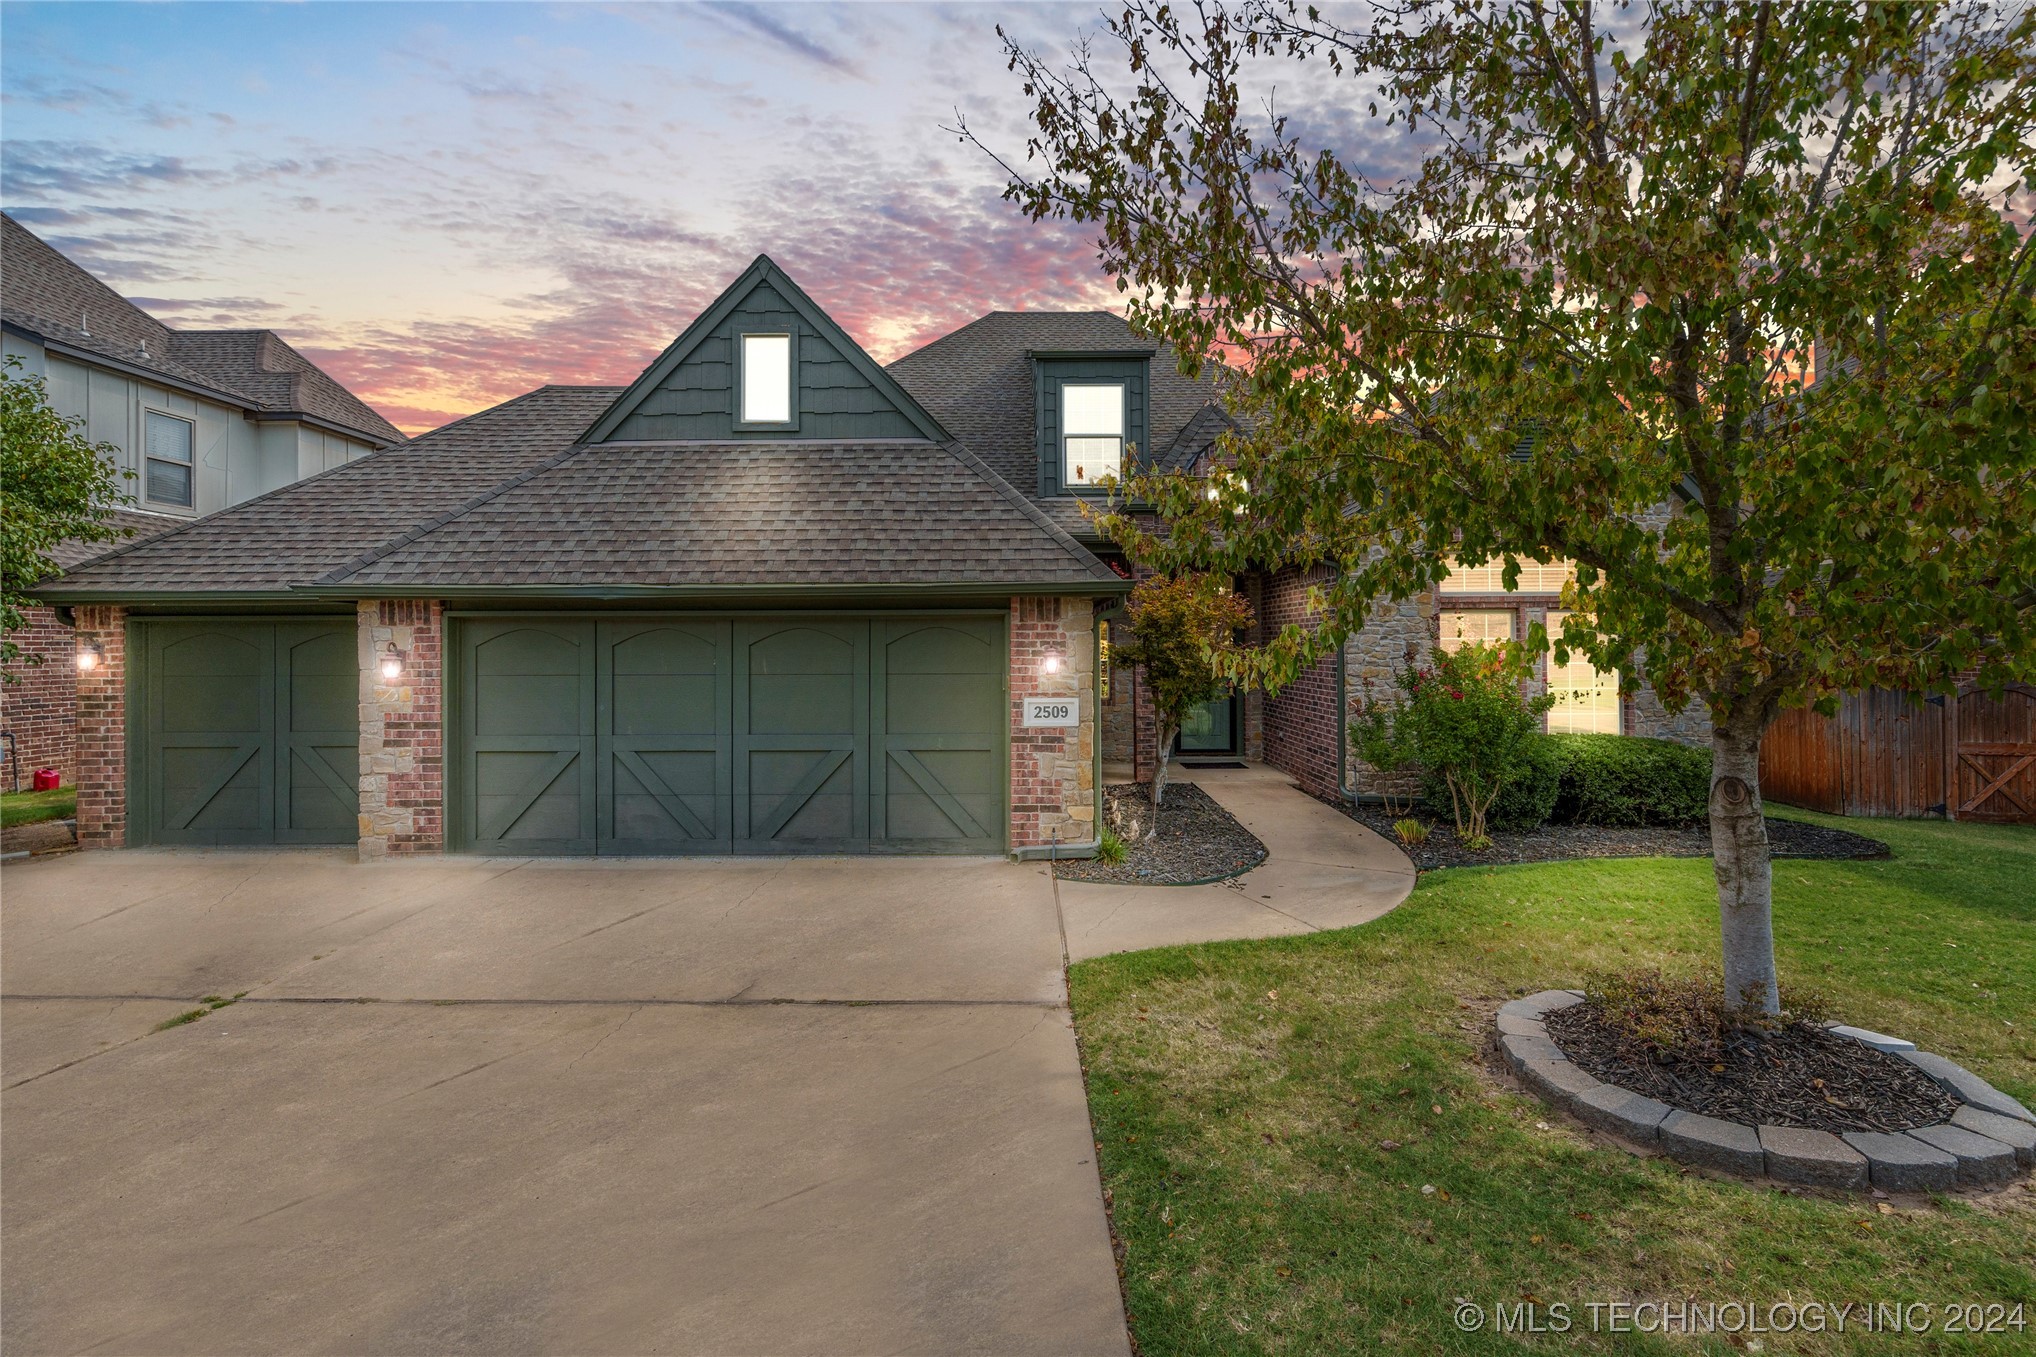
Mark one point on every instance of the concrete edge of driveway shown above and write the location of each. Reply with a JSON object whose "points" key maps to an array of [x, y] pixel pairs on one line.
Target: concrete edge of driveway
{"points": [[1323, 870]]}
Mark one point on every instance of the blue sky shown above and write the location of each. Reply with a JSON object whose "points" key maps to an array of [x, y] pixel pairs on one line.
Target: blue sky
{"points": [[450, 204]]}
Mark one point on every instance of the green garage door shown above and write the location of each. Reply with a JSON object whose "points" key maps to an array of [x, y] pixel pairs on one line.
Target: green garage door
{"points": [[752, 735], [249, 733]]}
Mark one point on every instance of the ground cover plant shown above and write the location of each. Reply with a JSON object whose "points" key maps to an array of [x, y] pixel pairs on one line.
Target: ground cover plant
{"points": [[1307, 1150]]}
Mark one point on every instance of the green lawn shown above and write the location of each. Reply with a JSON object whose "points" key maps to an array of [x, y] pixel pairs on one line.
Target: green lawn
{"points": [[25, 808], [1246, 1095]]}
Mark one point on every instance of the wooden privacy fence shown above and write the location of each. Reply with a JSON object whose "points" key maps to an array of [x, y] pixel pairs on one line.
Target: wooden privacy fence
{"points": [[1884, 753]]}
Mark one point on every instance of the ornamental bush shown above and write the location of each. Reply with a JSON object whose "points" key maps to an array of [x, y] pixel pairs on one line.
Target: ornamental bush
{"points": [[1464, 723], [1625, 780]]}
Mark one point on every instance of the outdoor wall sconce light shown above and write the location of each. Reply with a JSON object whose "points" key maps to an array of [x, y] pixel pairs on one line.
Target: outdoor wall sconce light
{"points": [[90, 656], [1054, 661], [392, 662]]}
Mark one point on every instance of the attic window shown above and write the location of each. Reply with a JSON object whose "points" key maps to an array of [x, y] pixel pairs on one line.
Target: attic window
{"points": [[1091, 432], [168, 478], [766, 379]]}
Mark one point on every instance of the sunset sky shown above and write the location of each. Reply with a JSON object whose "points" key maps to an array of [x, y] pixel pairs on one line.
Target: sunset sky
{"points": [[446, 205]]}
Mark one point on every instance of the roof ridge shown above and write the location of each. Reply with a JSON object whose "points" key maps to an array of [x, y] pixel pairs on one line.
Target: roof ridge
{"points": [[1061, 537], [338, 574]]}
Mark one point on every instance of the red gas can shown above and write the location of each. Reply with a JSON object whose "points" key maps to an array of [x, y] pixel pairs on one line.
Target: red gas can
{"points": [[47, 779]]}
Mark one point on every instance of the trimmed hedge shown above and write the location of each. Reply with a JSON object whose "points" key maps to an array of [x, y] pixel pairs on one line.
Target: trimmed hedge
{"points": [[1619, 781], [1624, 780]]}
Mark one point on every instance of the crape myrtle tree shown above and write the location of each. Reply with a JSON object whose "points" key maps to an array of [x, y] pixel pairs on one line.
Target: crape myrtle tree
{"points": [[55, 486], [1577, 322]]}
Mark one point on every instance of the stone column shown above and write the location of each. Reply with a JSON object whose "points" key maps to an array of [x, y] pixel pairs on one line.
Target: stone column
{"points": [[1053, 786], [402, 775]]}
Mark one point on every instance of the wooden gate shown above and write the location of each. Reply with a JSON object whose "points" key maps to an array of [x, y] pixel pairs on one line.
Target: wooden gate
{"points": [[1993, 769]]}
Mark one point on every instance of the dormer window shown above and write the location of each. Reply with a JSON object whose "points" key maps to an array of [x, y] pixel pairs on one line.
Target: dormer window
{"points": [[766, 379], [1092, 432]]}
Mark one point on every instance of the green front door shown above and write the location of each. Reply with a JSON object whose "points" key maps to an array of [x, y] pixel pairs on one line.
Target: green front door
{"points": [[249, 733], [753, 735]]}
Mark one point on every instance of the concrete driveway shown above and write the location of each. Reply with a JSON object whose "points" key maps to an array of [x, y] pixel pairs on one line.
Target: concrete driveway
{"points": [[806, 1106]]}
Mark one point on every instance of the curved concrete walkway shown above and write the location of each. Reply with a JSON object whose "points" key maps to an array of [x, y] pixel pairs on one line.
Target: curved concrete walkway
{"points": [[1322, 870]]}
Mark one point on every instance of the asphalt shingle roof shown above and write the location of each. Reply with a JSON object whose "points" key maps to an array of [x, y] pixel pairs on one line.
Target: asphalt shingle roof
{"points": [[978, 382], [305, 530], [510, 497], [135, 525], [45, 293]]}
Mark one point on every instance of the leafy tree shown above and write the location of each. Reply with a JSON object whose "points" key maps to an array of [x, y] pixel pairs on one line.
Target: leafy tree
{"points": [[54, 487], [1576, 322], [1183, 627], [1462, 720]]}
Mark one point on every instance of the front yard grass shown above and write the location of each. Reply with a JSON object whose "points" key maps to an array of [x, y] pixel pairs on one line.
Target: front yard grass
{"points": [[1272, 1114], [27, 808]]}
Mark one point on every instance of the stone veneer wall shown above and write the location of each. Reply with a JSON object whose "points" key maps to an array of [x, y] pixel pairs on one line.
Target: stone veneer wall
{"points": [[40, 707], [1053, 787], [101, 770], [402, 786]]}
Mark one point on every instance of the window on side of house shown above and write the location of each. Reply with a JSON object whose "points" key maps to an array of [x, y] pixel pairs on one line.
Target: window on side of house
{"points": [[1091, 432], [1479, 627], [1586, 698], [766, 379], [168, 476], [1489, 578]]}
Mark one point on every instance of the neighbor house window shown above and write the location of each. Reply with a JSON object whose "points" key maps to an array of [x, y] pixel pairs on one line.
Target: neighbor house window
{"points": [[1586, 699], [1482, 627], [1091, 432], [766, 379], [167, 478]]}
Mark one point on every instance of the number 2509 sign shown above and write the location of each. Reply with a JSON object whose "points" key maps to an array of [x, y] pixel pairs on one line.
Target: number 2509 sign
{"points": [[1052, 711]]}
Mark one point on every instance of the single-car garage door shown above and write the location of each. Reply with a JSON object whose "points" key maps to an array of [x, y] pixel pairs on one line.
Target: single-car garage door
{"points": [[249, 733], [712, 735]]}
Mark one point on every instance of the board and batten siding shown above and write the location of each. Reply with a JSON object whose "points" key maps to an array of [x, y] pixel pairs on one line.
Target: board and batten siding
{"points": [[698, 399]]}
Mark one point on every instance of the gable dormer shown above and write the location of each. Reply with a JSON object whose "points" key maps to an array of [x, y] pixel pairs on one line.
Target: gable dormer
{"points": [[764, 362], [1092, 416]]}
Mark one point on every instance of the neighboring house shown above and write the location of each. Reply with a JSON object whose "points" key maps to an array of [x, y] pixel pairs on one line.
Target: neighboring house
{"points": [[203, 419], [770, 597]]}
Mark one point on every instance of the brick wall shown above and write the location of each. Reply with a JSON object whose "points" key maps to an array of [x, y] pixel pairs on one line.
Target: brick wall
{"points": [[101, 771], [1053, 790], [402, 784], [38, 707], [1301, 720]]}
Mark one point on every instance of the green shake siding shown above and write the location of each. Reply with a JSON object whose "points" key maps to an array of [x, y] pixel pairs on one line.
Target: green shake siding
{"points": [[764, 735]]}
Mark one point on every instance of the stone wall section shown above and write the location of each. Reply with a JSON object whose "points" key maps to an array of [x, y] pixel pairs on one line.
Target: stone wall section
{"points": [[101, 759], [38, 706], [1053, 786], [402, 770]]}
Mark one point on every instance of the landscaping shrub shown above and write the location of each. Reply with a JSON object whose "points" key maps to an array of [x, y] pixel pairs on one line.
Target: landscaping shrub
{"points": [[1658, 1016], [1110, 849], [1625, 780], [1463, 722]]}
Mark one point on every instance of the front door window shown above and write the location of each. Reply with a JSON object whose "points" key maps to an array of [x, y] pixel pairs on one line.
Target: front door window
{"points": [[1211, 727]]}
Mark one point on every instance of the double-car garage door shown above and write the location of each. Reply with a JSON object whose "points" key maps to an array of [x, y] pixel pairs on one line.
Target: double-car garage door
{"points": [[710, 735]]}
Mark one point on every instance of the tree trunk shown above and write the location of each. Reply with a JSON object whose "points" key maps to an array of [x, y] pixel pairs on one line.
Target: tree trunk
{"points": [[1166, 744], [1740, 861]]}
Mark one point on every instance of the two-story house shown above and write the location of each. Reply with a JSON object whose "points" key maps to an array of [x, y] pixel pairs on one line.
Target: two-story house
{"points": [[769, 597], [201, 419]]}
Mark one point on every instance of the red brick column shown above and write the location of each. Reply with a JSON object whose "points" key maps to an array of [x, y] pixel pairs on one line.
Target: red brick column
{"points": [[1053, 785], [402, 786], [40, 706], [102, 727]]}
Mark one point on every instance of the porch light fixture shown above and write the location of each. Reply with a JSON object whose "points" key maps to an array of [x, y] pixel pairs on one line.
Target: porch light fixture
{"points": [[90, 656], [1053, 661], [392, 662]]}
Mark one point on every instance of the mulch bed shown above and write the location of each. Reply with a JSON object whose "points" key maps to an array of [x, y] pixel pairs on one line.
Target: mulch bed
{"points": [[1801, 1075], [1198, 840], [1558, 843]]}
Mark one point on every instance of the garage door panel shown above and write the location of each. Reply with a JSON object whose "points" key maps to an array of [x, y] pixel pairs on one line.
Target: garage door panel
{"points": [[318, 730], [801, 736], [212, 680], [667, 797], [323, 793], [663, 737], [527, 714], [939, 780], [214, 793]]}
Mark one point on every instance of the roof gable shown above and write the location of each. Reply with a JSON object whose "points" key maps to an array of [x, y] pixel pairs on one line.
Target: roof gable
{"points": [[689, 392]]}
